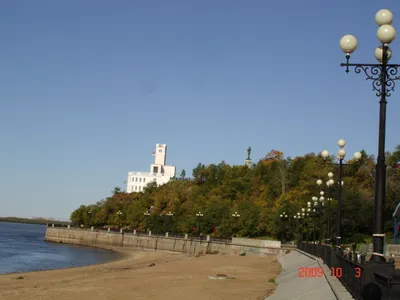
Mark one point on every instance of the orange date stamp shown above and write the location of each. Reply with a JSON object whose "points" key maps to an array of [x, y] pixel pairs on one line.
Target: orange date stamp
{"points": [[319, 272]]}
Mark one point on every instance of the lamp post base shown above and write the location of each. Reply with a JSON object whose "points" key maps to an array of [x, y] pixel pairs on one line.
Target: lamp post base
{"points": [[338, 241], [379, 274], [377, 259]]}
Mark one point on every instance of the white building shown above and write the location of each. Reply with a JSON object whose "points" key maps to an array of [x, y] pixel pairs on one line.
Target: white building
{"points": [[159, 172]]}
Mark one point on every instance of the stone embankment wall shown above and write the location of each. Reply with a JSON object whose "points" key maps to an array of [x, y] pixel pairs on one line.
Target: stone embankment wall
{"points": [[189, 246]]}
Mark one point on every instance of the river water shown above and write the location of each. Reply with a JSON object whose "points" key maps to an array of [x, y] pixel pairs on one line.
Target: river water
{"points": [[23, 249]]}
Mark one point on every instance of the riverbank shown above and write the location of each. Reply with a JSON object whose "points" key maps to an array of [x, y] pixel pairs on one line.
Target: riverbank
{"points": [[149, 275]]}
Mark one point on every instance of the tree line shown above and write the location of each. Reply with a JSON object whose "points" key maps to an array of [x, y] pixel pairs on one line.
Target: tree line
{"points": [[275, 184]]}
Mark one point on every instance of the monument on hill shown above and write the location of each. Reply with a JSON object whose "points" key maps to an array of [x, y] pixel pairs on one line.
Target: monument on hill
{"points": [[248, 161]]}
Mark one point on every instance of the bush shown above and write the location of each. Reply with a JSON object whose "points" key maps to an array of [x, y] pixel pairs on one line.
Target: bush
{"points": [[359, 238]]}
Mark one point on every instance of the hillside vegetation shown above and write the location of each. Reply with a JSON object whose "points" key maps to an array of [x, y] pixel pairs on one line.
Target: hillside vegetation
{"points": [[260, 194]]}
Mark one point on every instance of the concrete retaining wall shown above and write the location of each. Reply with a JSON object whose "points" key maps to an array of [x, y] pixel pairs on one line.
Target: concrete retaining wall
{"points": [[257, 243], [389, 249], [392, 248], [192, 247]]}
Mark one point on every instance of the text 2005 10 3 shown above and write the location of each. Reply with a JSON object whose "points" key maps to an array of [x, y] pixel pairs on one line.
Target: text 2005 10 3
{"points": [[319, 272]]}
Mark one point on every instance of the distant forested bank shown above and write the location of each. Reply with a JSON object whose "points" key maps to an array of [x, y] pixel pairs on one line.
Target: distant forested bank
{"points": [[41, 221]]}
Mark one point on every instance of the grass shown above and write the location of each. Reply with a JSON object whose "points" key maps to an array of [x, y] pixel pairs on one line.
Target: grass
{"points": [[268, 238]]}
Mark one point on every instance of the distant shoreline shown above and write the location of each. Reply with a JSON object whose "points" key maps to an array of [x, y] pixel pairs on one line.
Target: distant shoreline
{"points": [[32, 221]]}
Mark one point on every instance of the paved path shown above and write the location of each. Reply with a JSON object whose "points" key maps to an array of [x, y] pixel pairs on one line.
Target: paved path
{"points": [[293, 287]]}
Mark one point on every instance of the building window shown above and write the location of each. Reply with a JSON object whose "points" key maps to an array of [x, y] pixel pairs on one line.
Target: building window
{"points": [[144, 179], [135, 187], [136, 179], [140, 188], [140, 179], [155, 169]]}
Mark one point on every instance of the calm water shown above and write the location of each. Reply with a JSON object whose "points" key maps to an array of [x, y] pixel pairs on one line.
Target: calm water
{"points": [[22, 249]]}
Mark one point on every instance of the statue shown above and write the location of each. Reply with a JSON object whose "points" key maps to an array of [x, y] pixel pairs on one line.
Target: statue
{"points": [[248, 153]]}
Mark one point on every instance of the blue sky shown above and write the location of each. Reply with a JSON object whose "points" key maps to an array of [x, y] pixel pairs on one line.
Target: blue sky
{"points": [[89, 87]]}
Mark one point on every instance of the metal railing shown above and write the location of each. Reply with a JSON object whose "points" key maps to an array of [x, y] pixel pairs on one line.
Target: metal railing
{"points": [[361, 279]]}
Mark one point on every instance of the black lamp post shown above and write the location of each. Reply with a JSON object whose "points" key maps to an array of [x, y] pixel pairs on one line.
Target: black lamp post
{"points": [[308, 215], [169, 216], [329, 184], [383, 77], [341, 154], [147, 214], [199, 215], [90, 217], [299, 228], [236, 216], [320, 208], [283, 217], [119, 214], [303, 214], [303, 223], [314, 215], [296, 223]]}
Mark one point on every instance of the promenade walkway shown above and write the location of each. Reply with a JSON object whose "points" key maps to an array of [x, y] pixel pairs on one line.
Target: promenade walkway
{"points": [[293, 287]]}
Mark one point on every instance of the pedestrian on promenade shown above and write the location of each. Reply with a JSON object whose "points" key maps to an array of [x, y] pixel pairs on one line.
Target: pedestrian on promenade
{"points": [[353, 247], [363, 251], [347, 253], [352, 254]]}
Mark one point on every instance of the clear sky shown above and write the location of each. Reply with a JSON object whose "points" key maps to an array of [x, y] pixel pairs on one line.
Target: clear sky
{"points": [[89, 87]]}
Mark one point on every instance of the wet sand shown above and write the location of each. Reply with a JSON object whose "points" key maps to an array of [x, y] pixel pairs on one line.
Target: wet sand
{"points": [[145, 275]]}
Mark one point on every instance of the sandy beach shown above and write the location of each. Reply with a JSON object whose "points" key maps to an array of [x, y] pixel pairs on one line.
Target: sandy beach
{"points": [[145, 275]]}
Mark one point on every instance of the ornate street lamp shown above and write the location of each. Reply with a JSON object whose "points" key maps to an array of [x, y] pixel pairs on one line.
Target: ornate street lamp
{"points": [[199, 215], [383, 76], [90, 217], [147, 213], [341, 154], [297, 225], [283, 217], [319, 208], [169, 214], [236, 216], [300, 236], [304, 223], [119, 214], [308, 215], [314, 214], [329, 184], [303, 216]]}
